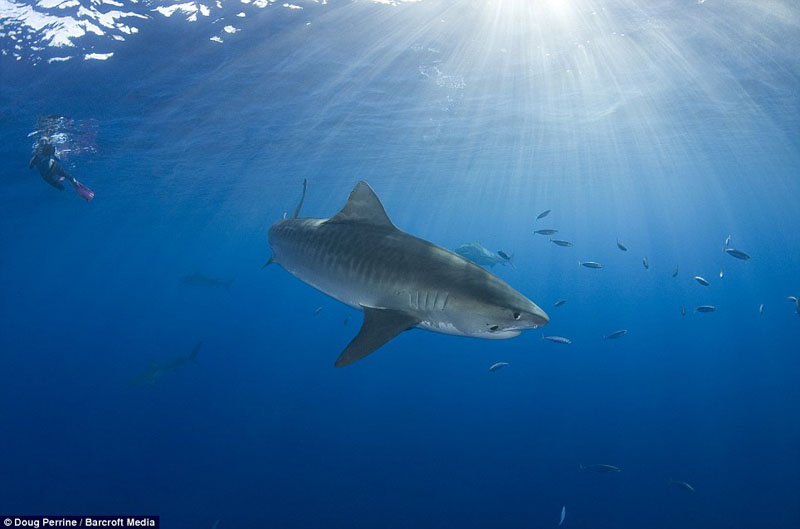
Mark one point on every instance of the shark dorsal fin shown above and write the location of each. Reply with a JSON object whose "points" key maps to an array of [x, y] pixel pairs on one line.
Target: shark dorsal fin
{"points": [[363, 206]]}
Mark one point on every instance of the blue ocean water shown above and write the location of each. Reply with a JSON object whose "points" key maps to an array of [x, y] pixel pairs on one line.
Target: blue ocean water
{"points": [[665, 125]]}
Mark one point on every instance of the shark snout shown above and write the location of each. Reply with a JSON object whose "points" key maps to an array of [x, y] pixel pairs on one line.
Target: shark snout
{"points": [[539, 318]]}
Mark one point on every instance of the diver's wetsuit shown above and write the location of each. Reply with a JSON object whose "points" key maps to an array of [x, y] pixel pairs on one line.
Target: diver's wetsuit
{"points": [[44, 159]]}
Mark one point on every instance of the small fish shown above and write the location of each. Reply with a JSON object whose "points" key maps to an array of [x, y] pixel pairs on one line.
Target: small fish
{"points": [[616, 334], [545, 232], [705, 308], [701, 281], [646, 262], [721, 274], [727, 241], [621, 246], [683, 310], [543, 214], [590, 264], [498, 365], [346, 320], [761, 309], [602, 469], [559, 302], [563, 514], [317, 310], [557, 339], [682, 484], [675, 272], [504, 255], [733, 252], [560, 242]]}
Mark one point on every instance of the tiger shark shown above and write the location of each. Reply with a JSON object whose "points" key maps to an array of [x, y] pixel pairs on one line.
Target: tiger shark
{"points": [[399, 281], [155, 371]]}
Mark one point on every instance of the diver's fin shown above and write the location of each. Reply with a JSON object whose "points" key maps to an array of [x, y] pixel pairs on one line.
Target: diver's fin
{"points": [[84, 192], [271, 260], [302, 198], [363, 206], [380, 326]]}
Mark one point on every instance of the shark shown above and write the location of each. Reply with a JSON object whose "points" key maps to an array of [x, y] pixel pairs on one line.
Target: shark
{"points": [[155, 371], [400, 282], [483, 256], [198, 279]]}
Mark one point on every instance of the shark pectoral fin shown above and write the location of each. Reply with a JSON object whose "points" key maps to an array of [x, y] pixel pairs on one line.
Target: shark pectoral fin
{"points": [[380, 326]]}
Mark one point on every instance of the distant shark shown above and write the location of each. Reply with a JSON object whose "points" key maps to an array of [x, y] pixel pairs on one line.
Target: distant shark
{"points": [[155, 370], [477, 253], [399, 281], [198, 279]]}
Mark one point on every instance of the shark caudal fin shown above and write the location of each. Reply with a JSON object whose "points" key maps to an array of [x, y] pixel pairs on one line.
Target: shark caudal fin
{"points": [[380, 326], [363, 207], [193, 354], [302, 198]]}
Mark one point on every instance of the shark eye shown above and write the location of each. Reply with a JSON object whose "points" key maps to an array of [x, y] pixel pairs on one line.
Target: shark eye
{"points": [[517, 315]]}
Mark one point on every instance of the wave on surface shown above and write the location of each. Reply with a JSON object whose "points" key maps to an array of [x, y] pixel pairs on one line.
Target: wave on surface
{"points": [[57, 30]]}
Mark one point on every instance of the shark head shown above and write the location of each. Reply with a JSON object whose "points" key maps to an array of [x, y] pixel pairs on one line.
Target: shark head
{"points": [[494, 310]]}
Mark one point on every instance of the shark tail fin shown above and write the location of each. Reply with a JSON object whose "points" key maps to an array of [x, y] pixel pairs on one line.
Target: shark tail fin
{"points": [[193, 354], [302, 198]]}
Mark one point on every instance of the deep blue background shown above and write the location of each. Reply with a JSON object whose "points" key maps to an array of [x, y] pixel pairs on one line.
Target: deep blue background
{"points": [[468, 120]]}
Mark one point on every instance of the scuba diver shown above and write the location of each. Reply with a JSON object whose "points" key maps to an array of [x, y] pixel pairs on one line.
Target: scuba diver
{"points": [[49, 166]]}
